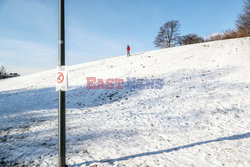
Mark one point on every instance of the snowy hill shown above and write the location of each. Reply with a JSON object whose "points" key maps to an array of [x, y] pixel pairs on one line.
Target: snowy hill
{"points": [[199, 118]]}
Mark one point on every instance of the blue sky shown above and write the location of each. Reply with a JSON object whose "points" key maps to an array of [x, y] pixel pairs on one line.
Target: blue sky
{"points": [[97, 29]]}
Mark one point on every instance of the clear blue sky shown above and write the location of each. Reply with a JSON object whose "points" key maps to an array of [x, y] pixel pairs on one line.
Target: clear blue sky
{"points": [[97, 29]]}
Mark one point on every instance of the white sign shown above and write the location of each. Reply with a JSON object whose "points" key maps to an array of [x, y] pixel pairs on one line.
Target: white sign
{"points": [[61, 79]]}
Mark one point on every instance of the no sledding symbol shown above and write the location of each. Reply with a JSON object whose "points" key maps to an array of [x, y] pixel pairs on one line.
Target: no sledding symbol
{"points": [[60, 77]]}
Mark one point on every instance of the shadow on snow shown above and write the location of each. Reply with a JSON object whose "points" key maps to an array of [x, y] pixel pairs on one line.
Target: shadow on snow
{"points": [[111, 161]]}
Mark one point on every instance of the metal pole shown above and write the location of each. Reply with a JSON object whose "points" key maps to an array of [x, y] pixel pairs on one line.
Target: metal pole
{"points": [[61, 94]]}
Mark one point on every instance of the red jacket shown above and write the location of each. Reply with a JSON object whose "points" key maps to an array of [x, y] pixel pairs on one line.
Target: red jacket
{"points": [[128, 48]]}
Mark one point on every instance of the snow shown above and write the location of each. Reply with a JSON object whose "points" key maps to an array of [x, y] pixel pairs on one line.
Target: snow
{"points": [[199, 118]]}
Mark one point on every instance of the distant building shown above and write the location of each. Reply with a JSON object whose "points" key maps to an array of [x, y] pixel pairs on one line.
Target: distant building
{"points": [[8, 75]]}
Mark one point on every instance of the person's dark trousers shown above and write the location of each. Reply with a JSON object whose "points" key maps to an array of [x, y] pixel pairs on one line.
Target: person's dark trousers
{"points": [[128, 54]]}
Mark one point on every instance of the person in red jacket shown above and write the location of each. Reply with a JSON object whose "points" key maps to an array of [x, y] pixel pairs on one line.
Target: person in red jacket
{"points": [[128, 50]]}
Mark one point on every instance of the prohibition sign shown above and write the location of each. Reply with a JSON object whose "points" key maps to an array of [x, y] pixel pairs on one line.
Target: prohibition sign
{"points": [[60, 77]]}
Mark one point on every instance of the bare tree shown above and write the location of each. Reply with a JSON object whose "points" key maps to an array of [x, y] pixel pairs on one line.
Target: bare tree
{"points": [[2, 69], [243, 22], [190, 39], [168, 35]]}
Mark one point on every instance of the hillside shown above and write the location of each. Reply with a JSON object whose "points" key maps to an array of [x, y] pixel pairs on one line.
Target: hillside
{"points": [[199, 118]]}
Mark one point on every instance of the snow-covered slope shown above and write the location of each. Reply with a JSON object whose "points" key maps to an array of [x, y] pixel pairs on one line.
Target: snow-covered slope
{"points": [[201, 116]]}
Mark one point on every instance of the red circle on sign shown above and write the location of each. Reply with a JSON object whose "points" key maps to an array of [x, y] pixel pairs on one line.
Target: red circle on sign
{"points": [[59, 80]]}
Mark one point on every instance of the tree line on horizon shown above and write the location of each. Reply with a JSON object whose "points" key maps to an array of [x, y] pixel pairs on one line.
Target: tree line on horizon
{"points": [[4, 74], [169, 35]]}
